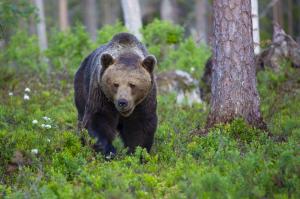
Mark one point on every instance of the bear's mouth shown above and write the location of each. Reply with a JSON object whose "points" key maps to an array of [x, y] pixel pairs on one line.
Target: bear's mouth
{"points": [[126, 113]]}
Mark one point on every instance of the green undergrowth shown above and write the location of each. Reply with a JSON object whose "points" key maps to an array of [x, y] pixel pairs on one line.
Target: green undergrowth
{"points": [[67, 49], [232, 161], [42, 156]]}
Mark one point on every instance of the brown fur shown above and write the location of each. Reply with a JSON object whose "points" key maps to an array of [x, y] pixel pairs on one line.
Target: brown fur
{"points": [[126, 79], [122, 69]]}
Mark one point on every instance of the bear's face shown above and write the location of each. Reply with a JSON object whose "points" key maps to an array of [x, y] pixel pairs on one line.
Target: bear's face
{"points": [[126, 81]]}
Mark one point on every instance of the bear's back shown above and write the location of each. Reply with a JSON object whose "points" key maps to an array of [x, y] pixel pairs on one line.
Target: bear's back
{"points": [[125, 43]]}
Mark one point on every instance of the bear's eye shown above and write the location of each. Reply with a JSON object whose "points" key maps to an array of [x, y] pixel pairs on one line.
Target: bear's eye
{"points": [[116, 85], [131, 85]]}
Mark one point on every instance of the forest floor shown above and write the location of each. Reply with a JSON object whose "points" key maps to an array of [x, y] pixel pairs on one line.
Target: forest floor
{"points": [[41, 155]]}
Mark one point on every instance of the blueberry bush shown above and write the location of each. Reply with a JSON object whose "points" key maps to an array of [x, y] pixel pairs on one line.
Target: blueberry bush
{"points": [[42, 156]]}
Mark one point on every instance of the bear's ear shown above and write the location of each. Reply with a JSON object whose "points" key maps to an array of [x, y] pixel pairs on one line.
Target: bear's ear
{"points": [[106, 60], [149, 63]]}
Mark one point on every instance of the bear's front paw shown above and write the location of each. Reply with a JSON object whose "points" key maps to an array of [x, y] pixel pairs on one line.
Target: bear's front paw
{"points": [[108, 150]]}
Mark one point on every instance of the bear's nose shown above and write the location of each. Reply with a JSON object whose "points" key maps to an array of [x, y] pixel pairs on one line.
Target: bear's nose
{"points": [[122, 103]]}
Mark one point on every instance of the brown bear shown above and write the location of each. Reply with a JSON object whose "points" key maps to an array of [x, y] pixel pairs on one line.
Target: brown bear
{"points": [[115, 91]]}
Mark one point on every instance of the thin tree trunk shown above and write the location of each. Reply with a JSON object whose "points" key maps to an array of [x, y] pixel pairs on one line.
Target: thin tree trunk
{"points": [[234, 93], [110, 11], [169, 10], [41, 25], [148, 10], [90, 17], [297, 22], [290, 17], [209, 24], [201, 20], [132, 16], [277, 13], [255, 26], [63, 15], [32, 21]]}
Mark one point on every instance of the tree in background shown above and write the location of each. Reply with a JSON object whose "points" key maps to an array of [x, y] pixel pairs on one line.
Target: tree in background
{"points": [[233, 88], [132, 16], [63, 15], [278, 12], [290, 5], [90, 17], [201, 20], [11, 13], [255, 26], [41, 25], [169, 11], [110, 11]]}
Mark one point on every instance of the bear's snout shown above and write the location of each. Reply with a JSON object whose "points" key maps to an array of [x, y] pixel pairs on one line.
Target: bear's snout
{"points": [[124, 106], [122, 103]]}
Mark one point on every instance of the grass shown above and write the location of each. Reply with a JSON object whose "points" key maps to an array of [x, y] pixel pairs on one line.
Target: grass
{"points": [[232, 161]]}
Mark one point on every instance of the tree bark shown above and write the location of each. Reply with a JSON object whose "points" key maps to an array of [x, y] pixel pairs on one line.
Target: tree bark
{"points": [[233, 88], [90, 17], [132, 16], [255, 26], [41, 25], [201, 20], [63, 15], [169, 11]]}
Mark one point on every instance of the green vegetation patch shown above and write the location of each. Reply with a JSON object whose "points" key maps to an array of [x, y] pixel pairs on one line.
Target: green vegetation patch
{"points": [[42, 156]]}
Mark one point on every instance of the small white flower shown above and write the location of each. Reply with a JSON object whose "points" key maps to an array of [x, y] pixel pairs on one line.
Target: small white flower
{"points": [[48, 126], [34, 151], [34, 121], [26, 97], [192, 69], [48, 140], [10, 93], [46, 118], [27, 89]]}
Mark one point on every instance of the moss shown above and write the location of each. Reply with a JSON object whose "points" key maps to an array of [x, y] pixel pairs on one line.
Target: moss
{"points": [[232, 161]]}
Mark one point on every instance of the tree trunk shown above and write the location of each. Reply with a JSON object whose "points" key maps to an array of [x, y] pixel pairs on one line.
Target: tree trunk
{"points": [[169, 10], [63, 15], [255, 26], [149, 10], [41, 25], [32, 21], [233, 88], [110, 11], [201, 20], [209, 24], [277, 13], [297, 26], [290, 17], [132, 16], [90, 17]]}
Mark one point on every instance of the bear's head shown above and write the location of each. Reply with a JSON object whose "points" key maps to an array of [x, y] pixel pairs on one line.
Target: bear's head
{"points": [[126, 80]]}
